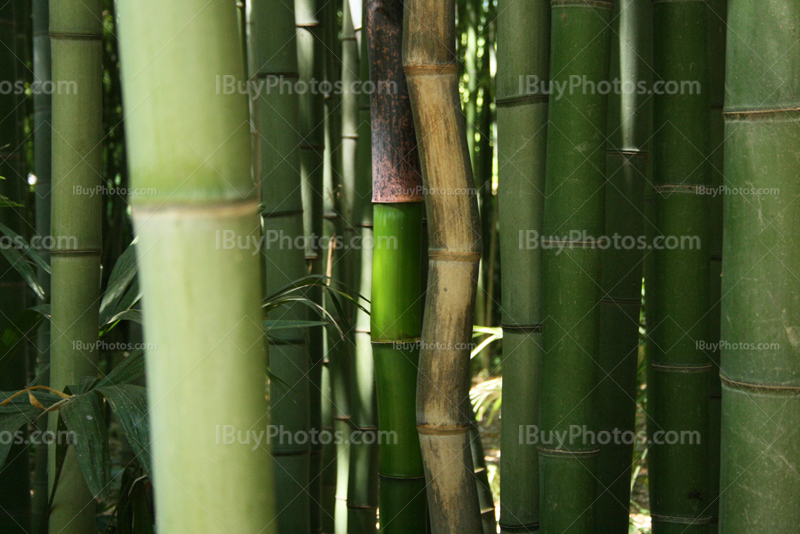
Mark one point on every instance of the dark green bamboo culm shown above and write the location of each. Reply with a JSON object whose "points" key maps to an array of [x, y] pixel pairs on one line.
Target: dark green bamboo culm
{"points": [[76, 34], [396, 320], [206, 366], [362, 491], [621, 280], [760, 254], [42, 116], [679, 367], [717, 30], [522, 143], [573, 226], [454, 249], [275, 55], [14, 474]]}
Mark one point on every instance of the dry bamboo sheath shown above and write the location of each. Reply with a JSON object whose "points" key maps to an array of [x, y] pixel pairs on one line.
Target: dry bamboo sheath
{"points": [[454, 253]]}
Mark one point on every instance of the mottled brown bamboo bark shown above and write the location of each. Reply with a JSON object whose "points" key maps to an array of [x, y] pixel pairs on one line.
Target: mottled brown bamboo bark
{"points": [[453, 256]]}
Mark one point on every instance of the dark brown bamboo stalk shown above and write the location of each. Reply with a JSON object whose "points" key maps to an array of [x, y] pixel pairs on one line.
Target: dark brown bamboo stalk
{"points": [[453, 255]]}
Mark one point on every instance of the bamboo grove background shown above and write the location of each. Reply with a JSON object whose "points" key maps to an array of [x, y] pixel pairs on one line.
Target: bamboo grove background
{"points": [[449, 176]]}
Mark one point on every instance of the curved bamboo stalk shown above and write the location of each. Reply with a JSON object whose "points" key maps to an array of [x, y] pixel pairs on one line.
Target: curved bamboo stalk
{"points": [[574, 204], [76, 34], [42, 117], [679, 368], [629, 129], [522, 143], [275, 55], [453, 258], [202, 317], [397, 291], [760, 254], [14, 474]]}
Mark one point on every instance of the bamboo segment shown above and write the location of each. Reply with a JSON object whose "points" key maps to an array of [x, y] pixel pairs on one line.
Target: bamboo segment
{"points": [[678, 388], [76, 35], [275, 56], [574, 208], [42, 118], [453, 258], [522, 137], [621, 282], [760, 307], [396, 318], [717, 29], [203, 324], [14, 474]]}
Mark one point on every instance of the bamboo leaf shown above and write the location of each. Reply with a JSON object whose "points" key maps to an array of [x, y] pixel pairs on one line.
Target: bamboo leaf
{"points": [[129, 403], [84, 416], [27, 249], [21, 265], [122, 275], [130, 369], [277, 324]]}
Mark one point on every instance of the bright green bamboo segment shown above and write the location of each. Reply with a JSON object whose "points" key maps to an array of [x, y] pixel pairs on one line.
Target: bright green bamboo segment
{"points": [[523, 50], [760, 369], [42, 117], [328, 459], [201, 297], [621, 281], [14, 474], [396, 324], [574, 209], [76, 47], [717, 30], [274, 51], [678, 387]]}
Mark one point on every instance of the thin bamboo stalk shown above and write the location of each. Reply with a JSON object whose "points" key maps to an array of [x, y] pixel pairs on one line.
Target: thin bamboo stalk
{"points": [[42, 117], [453, 259], [202, 319], [717, 29], [275, 55], [574, 205], [362, 493], [14, 475], [760, 252], [629, 129], [76, 35], [679, 379], [522, 142], [396, 305]]}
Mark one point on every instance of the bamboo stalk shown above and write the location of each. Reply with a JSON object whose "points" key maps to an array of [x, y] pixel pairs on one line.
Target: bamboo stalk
{"points": [[522, 140], [14, 474], [275, 55], [717, 29], [574, 204], [453, 258], [202, 317], [760, 403], [629, 129], [76, 49], [679, 379], [42, 117], [396, 306]]}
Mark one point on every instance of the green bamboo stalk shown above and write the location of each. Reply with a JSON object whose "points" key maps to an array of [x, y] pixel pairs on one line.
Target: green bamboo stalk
{"points": [[679, 380], [522, 137], [760, 403], [621, 281], [396, 319], [362, 493], [454, 242], [485, 496], [42, 117], [275, 55], [717, 29], [574, 213], [14, 484], [76, 35], [202, 318]]}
